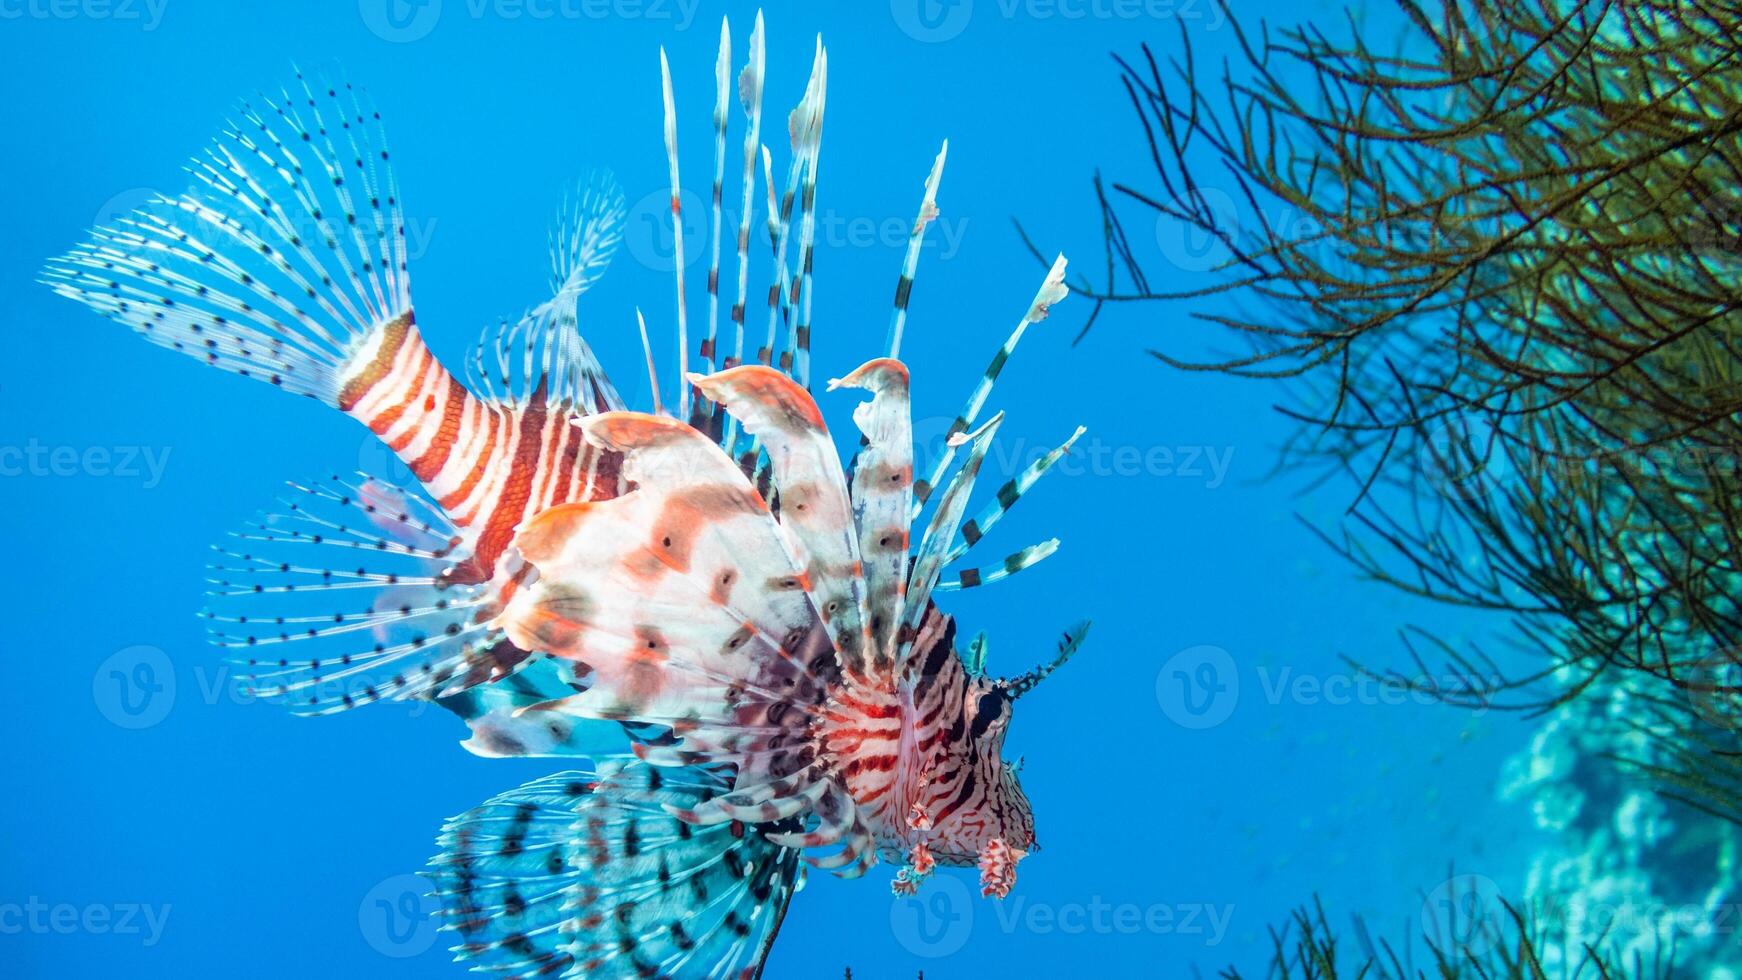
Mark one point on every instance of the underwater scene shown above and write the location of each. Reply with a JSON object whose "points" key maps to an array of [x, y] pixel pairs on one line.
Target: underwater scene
{"points": [[926, 488]]}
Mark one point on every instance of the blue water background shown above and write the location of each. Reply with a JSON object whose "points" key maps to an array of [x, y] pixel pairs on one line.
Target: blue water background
{"points": [[269, 846]]}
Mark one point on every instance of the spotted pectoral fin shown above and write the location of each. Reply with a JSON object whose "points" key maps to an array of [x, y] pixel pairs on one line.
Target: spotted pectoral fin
{"points": [[883, 493], [586, 874], [815, 511], [501, 729], [686, 577], [345, 597], [685, 607]]}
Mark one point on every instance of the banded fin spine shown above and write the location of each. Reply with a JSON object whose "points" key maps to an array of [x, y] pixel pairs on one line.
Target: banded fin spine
{"points": [[1051, 291], [750, 98], [804, 128], [982, 523], [928, 210], [1032, 555], [939, 534], [722, 86], [807, 143], [683, 340]]}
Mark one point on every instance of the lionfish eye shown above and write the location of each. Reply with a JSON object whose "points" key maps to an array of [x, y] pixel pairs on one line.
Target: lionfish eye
{"points": [[990, 709]]}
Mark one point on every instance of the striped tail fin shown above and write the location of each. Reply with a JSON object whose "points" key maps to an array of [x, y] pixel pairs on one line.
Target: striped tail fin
{"points": [[285, 260], [586, 874]]}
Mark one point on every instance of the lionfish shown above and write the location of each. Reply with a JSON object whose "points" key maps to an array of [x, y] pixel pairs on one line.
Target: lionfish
{"points": [[735, 633]]}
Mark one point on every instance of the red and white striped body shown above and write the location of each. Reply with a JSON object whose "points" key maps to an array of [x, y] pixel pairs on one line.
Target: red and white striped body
{"points": [[489, 464]]}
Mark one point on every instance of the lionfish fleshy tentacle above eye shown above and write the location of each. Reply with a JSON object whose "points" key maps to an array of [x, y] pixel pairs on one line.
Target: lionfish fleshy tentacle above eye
{"points": [[1069, 643], [928, 211], [1052, 290]]}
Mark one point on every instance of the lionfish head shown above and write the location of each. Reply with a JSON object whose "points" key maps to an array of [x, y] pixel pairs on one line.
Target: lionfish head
{"points": [[1005, 813], [994, 828]]}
